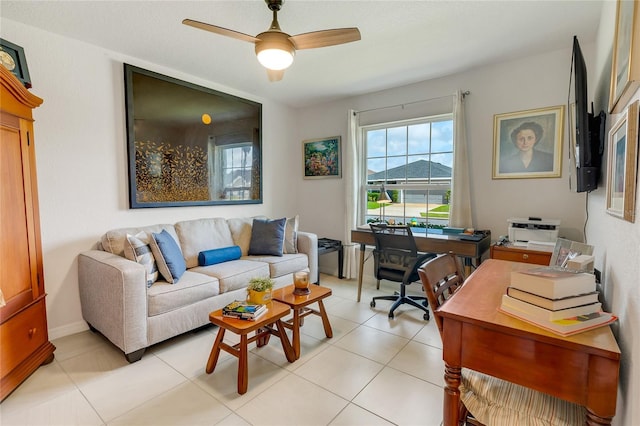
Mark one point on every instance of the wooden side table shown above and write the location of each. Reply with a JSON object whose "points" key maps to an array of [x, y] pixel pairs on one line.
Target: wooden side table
{"points": [[263, 327], [300, 306], [520, 254]]}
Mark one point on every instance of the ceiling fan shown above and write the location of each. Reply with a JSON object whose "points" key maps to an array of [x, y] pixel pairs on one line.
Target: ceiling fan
{"points": [[274, 48]]}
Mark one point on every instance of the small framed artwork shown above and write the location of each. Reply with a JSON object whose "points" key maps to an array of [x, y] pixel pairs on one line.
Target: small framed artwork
{"points": [[625, 62], [322, 158], [528, 144], [12, 58], [622, 165]]}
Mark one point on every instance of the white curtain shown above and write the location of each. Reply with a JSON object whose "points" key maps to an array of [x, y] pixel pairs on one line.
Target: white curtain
{"points": [[353, 167], [460, 211]]}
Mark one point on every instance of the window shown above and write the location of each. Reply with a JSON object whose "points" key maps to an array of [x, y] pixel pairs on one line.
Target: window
{"points": [[235, 164], [236, 171], [414, 161]]}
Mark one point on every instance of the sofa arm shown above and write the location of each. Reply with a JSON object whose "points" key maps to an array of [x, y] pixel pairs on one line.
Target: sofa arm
{"points": [[308, 244], [113, 295]]}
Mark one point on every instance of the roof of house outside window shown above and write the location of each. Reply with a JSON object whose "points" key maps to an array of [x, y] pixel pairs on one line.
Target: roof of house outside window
{"points": [[413, 171]]}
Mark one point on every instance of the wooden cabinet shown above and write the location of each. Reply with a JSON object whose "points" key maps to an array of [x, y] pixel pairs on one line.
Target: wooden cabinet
{"points": [[24, 340], [520, 254]]}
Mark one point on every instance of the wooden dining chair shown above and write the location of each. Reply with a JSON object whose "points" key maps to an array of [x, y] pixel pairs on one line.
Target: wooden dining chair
{"points": [[487, 400]]}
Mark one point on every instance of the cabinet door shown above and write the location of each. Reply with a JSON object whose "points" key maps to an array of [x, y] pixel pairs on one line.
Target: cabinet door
{"points": [[18, 254]]}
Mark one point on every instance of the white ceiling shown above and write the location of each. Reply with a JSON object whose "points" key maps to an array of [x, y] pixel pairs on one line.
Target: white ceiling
{"points": [[402, 41]]}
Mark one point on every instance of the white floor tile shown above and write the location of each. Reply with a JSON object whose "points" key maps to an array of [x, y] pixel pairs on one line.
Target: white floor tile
{"points": [[46, 383], [186, 404], [353, 415], [190, 356], [340, 371], [70, 408], [402, 399], [130, 386], [223, 384], [422, 361], [374, 344], [293, 401]]}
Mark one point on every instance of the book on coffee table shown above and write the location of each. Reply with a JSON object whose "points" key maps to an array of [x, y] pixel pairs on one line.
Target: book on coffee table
{"points": [[243, 310]]}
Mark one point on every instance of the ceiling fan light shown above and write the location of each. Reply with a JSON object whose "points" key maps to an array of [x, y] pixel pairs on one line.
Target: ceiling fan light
{"points": [[275, 59], [274, 50]]}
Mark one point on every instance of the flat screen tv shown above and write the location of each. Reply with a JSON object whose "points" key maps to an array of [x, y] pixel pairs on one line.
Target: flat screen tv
{"points": [[190, 145], [588, 129]]}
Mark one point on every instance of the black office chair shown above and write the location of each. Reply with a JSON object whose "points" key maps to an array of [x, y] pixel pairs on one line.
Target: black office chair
{"points": [[396, 258]]}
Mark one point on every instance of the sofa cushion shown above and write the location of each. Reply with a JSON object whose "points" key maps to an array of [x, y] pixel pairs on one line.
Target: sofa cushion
{"points": [[114, 240], [202, 234], [241, 231], [192, 287], [267, 237], [224, 254], [137, 249], [291, 235], [283, 265], [168, 256], [234, 274]]}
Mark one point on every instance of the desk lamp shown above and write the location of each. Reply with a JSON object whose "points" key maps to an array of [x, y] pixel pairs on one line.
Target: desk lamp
{"points": [[382, 200]]}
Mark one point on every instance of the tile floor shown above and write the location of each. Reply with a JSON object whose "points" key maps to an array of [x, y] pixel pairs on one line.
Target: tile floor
{"points": [[374, 371]]}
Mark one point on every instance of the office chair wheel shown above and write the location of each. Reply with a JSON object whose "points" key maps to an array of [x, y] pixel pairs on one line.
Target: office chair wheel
{"points": [[372, 304], [426, 316], [391, 315]]}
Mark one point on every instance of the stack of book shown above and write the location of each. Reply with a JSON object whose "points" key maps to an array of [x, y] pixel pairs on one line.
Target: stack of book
{"points": [[561, 301], [243, 310]]}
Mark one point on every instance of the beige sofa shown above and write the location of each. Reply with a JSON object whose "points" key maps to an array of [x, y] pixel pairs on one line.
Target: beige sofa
{"points": [[117, 302]]}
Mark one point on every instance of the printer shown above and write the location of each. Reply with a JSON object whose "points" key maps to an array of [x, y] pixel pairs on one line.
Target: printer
{"points": [[533, 229]]}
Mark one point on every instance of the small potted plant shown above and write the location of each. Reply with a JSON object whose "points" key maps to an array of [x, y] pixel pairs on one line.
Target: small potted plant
{"points": [[259, 290]]}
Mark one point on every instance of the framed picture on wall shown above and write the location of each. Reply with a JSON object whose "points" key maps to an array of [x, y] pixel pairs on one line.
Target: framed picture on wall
{"points": [[322, 158], [622, 165], [625, 62], [12, 58], [528, 144]]}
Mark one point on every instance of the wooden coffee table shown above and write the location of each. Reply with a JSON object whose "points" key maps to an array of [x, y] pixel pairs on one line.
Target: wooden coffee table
{"points": [[268, 324], [300, 307]]}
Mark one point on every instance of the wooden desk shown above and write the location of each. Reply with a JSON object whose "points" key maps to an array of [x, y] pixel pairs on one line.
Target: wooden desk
{"points": [[432, 243], [582, 368]]}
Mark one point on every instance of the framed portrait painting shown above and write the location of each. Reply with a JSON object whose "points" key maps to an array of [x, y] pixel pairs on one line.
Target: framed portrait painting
{"points": [[622, 165], [322, 158], [528, 144]]}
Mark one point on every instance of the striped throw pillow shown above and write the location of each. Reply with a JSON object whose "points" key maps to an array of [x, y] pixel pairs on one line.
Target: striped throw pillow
{"points": [[137, 248]]}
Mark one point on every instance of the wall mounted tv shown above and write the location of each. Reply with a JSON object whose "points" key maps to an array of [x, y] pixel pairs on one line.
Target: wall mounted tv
{"points": [[588, 129], [189, 145]]}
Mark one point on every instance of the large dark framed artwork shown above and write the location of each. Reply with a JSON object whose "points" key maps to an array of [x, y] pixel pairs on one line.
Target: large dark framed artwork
{"points": [[528, 144], [189, 145]]}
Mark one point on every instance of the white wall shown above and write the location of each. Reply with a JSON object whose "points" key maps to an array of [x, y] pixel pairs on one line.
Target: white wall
{"points": [[533, 82], [82, 162], [618, 243]]}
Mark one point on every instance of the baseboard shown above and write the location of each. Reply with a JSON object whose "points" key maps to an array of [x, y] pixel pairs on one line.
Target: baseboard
{"points": [[67, 330]]}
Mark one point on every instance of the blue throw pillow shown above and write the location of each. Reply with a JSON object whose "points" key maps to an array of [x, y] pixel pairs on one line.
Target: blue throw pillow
{"points": [[168, 256], [267, 237], [219, 255]]}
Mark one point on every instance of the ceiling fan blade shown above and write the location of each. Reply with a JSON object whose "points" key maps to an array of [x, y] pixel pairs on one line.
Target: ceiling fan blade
{"points": [[325, 38], [220, 30], [275, 75]]}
